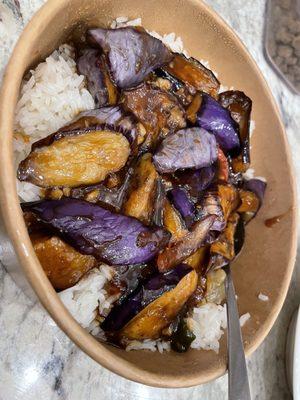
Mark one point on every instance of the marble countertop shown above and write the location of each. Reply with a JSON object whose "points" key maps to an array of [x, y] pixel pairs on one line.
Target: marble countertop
{"points": [[39, 362]]}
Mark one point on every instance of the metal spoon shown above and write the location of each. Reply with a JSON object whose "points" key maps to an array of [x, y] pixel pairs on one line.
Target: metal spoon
{"points": [[238, 384]]}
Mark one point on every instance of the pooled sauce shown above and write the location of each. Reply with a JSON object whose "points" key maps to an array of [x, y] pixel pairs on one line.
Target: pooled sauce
{"points": [[274, 220]]}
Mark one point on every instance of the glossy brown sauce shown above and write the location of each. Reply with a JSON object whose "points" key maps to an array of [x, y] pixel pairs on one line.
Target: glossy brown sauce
{"points": [[274, 220]]}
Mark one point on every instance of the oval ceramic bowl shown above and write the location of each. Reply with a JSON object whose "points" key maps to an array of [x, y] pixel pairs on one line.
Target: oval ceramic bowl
{"points": [[266, 262]]}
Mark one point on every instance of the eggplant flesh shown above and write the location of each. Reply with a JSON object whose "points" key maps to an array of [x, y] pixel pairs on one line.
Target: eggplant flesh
{"points": [[63, 265], [140, 202], [193, 73], [158, 110], [179, 250], [173, 222], [240, 107], [228, 245], [165, 81], [93, 230], [75, 158], [149, 323], [149, 291]]}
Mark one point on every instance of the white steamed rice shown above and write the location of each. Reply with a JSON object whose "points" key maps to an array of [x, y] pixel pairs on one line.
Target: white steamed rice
{"points": [[88, 297], [263, 297], [244, 318], [51, 96], [207, 323]]}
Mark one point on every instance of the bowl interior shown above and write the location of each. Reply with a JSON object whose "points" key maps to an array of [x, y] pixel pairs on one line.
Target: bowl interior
{"points": [[266, 262]]}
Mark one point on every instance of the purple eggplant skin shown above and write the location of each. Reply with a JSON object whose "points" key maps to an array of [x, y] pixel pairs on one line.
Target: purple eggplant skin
{"points": [[89, 65], [150, 290], [240, 107], [110, 198], [128, 277], [113, 116], [91, 229], [183, 203], [131, 54], [186, 148], [217, 120], [257, 186], [196, 181]]}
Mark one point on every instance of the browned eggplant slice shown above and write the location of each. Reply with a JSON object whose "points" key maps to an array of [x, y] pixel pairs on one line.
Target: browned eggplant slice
{"points": [[110, 115], [140, 203], [211, 205], [63, 265], [178, 251], [131, 53], [150, 322], [222, 251], [194, 74], [190, 148], [249, 201], [249, 205], [229, 199], [157, 110], [193, 108], [198, 260], [165, 81], [173, 221], [92, 65], [240, 107], [160, 200], [76, 158]]}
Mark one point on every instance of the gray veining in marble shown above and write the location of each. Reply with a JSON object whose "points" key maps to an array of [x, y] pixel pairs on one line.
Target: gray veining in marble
{"points": [[37, 361]]}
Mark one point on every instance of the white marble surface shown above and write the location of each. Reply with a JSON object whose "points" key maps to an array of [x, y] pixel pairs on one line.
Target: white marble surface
{"points": [[38, 362]]}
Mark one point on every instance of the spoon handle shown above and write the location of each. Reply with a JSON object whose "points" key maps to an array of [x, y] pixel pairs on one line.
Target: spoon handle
{"points": [[238, 384]]}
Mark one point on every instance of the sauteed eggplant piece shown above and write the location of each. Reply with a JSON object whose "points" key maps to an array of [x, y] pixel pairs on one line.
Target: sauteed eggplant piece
{"points": [[173, 222], [227, 246], [251, 198], [193, 108], [182, 202], [131, 54], [217, 120], [149, 291], [193, 73], [211, 205], [93, 230], [179, 250], [160, 201], [140, 202], [196, 181], [240, 107], [158, 110], [75, 158], [198, 260], [63, 265], [150, 322], [186, 148], [165, 81], [223, 167], [258, 187], [92, 65]]}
